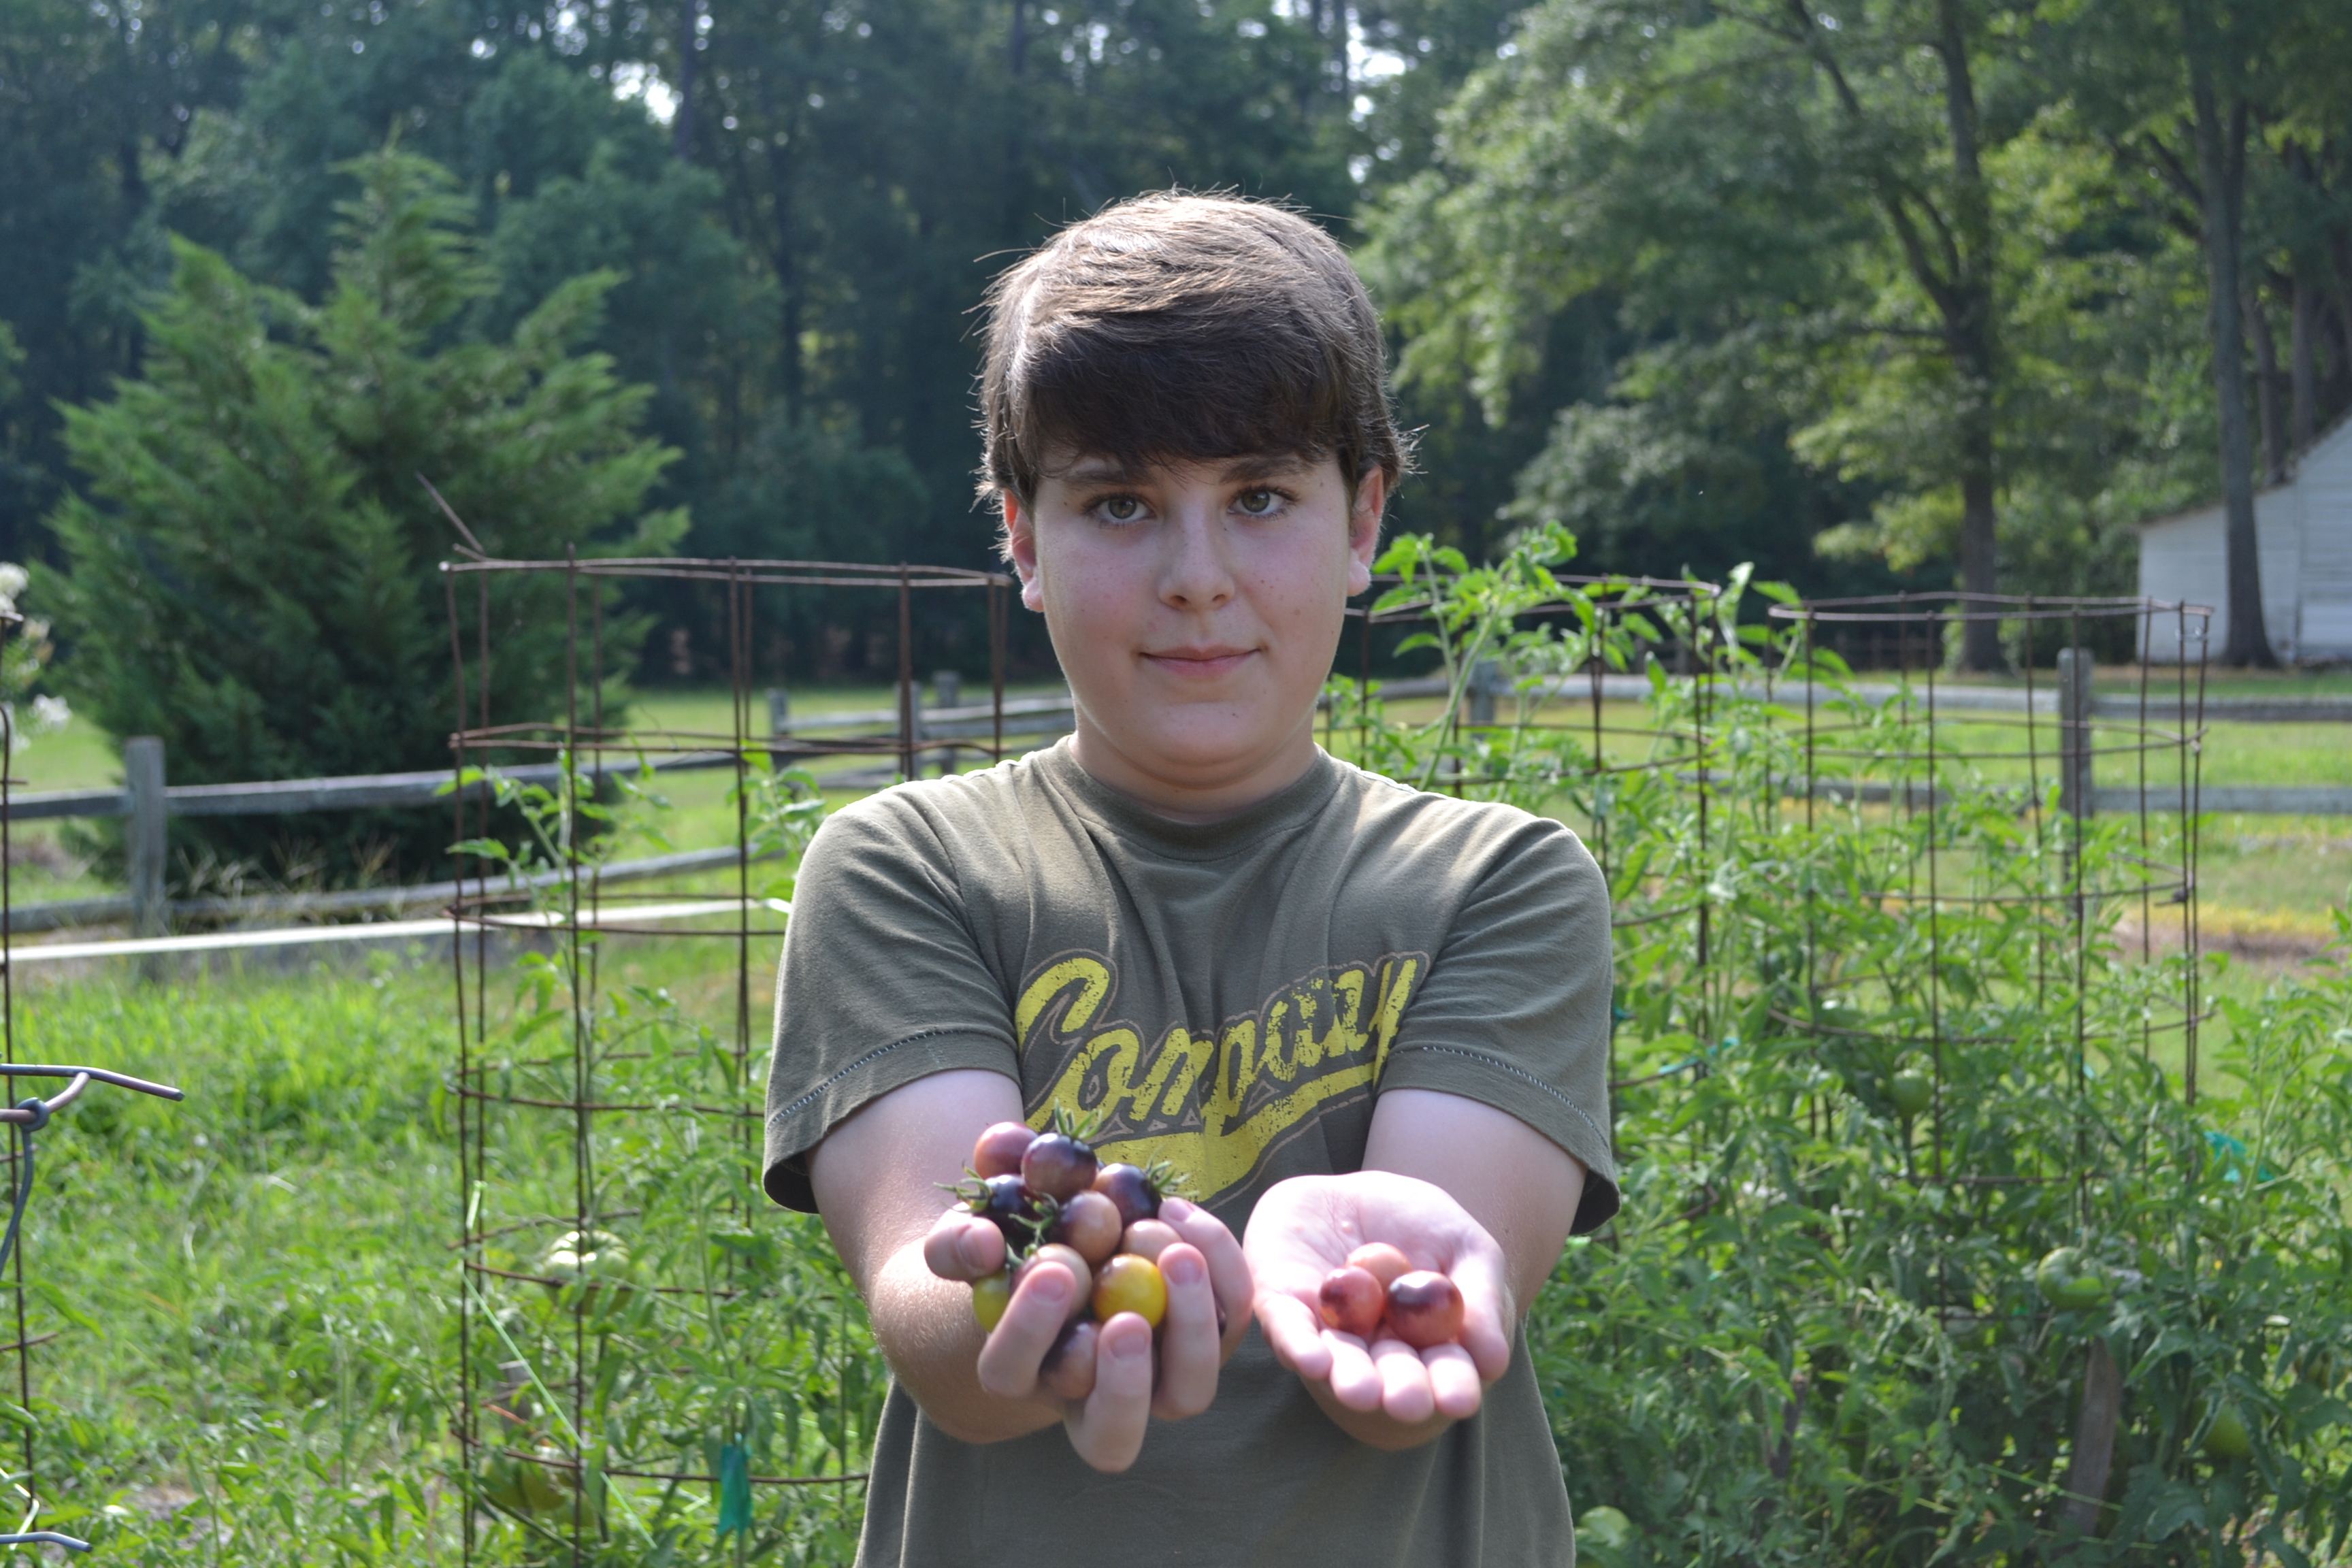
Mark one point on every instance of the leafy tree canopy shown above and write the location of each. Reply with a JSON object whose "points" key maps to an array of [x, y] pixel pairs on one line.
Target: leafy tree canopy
{"points": [[248, 571]]}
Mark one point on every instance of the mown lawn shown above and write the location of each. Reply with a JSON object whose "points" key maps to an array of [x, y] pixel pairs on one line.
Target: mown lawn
{"points": [[252, 1293]]}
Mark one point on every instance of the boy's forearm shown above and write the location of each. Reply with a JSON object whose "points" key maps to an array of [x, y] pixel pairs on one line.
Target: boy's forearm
{"points": [[877, 1179], [928, 1334]]}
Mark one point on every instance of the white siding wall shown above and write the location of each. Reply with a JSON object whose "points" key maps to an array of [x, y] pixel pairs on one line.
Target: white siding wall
{"points": [[2304, 534], [2182, 559], [2324, 480]]}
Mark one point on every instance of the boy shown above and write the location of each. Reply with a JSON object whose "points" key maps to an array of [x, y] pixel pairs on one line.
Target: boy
{"points": [[1348, 1011]]}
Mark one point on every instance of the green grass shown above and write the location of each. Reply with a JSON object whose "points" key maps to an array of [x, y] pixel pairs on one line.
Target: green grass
{"points": [[79, 756], [253, 1292], [249, 1291]]}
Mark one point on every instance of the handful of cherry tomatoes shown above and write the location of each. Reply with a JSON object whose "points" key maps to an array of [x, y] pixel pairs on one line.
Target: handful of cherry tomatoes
{"points": [[1055, 1202], [1378, 1285]]}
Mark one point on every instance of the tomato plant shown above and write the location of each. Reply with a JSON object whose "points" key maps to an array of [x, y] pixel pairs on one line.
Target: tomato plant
{"points": [[1929, 1253]]}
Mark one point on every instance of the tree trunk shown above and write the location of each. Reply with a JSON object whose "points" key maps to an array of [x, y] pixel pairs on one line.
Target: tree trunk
{"points": [[2302, 368], [2266, 389], [784, 252], [681, 127], [1969, 328], [2221, 171]]}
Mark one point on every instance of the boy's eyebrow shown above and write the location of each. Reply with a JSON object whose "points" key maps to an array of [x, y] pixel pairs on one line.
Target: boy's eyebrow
{"points": [[1264, 466], [1115, 471]]}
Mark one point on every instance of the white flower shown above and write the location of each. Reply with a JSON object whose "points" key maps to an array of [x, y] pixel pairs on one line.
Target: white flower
{"points": [[51, 713], [12, 579]]}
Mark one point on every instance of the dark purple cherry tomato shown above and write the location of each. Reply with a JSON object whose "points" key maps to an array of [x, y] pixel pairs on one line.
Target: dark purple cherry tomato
{"points": [[999, 1150], [1089, 1223], [1005, 1203], [1351, 1301], [1425, 1310], [1131, 1189], [1058, 1167], [1068, 1369]]}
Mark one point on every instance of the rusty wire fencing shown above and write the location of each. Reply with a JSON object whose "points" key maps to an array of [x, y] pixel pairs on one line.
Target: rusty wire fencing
{"points": [[1891, 917], [651, 1366]]}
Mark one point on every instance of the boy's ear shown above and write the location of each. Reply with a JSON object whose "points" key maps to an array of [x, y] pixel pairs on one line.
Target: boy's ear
{"points": [[1021, 549], [1364, 530]]}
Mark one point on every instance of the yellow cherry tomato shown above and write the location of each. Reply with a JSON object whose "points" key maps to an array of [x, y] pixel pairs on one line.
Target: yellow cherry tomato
{"points": [[1130, 1284], [990, 1297]]}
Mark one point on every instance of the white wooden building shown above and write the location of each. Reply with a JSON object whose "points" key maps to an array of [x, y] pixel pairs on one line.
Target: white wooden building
{"points": [[2302, 530]]}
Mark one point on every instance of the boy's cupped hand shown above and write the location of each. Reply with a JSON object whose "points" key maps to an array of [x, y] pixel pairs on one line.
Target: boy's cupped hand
{"points": [[1134, 1378], [1386, 1392]]}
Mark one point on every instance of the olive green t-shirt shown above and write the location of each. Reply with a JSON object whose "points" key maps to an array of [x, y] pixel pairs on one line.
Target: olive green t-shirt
{"points": [[1232, 997]]}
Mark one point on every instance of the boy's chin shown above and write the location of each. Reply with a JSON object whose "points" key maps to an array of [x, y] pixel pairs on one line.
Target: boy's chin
{"points": [[1201, 744]]}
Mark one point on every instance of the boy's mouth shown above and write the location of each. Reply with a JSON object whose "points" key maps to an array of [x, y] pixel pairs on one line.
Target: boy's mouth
{"points": [[1198, 663]]}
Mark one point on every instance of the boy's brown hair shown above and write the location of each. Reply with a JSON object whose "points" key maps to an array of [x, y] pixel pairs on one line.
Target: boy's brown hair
{"points": [[1180, 327]]}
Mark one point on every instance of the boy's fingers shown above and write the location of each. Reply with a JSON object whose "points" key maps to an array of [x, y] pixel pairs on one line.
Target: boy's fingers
{"points": [[1107, 1430], [1295, 1334], [1487, 1315], [1229, 1269], [1405, 1397], [1190, 1350], [963, 1247], [1355, 1382], [1032, 1321], [1453, 1381]]}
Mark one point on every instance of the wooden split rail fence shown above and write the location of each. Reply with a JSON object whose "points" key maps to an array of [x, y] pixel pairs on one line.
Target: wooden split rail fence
{"points": [[147, 801]]}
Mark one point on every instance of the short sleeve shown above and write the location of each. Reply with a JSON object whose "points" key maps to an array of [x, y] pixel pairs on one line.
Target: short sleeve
{"points": [[882, 982], [1515, 1012]]}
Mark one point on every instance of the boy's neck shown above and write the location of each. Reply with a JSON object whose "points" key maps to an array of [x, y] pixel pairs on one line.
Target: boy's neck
{"points": [[1213, 794]]}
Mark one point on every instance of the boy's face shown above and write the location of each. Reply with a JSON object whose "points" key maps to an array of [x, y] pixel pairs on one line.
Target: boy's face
{"points": [[1195, 607]]}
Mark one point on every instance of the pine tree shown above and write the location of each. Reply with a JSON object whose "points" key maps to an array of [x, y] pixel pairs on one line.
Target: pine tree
{"points": [[250, 564]]}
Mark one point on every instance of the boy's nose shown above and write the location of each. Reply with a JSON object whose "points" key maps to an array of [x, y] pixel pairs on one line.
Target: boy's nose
{"points": [[1195, 570]]}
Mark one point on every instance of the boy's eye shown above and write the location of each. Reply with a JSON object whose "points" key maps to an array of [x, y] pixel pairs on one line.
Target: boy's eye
{"points": [[1258, 503], [1121, 508]]}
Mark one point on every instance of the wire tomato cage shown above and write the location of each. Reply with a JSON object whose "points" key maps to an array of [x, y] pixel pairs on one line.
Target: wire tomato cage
{"points": [[24, 1119], [1905, 873], [650, 1360], [1990, 829], [1596, 690]]}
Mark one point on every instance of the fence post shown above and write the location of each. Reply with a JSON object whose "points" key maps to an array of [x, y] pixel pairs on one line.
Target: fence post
{"points": [[1486, 680], [2075, 746], [142, 783]]}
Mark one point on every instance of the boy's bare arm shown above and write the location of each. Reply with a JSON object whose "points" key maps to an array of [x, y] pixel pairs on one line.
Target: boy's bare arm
{"points": [[877, 1179], [1450, 1180]]}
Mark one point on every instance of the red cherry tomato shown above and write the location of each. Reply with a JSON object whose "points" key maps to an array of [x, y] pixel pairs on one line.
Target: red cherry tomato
{"points": [[1148, 1238], [1425, 1310], [999, 1150], [1382, 1261], [1054, 1252], [1089, 1222], [1351, 1301]]}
